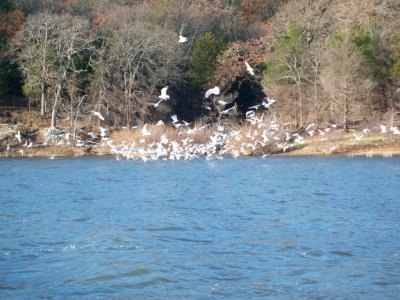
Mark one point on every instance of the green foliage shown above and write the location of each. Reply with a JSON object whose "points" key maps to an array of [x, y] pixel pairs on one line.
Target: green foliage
{"points": [[10, 79], [203, 60], [289, 50], [4, 6], [394, 70], [369, 50]]}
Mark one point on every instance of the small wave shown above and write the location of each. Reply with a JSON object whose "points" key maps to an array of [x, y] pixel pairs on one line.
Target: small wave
{"points": [[171, 228], [341, 253], [137, 272]]}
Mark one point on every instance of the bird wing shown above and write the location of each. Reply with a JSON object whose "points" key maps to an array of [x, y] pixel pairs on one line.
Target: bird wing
{"points": [[164, 91]]}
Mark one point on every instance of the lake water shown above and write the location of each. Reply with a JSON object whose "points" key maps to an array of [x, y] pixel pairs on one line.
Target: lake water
{"points": [[279, 228]]}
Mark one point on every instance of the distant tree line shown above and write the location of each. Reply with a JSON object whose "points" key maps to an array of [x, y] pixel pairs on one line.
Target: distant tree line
{"points": [[73, 56]]}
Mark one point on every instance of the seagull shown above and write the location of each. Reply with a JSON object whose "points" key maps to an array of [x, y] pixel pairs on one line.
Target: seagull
{"points": [[145, 131], [394, 130], [366, 130], [103, 132], [158, 103], [182, 39], [358, 138], [18, 136], [91, 134], [97, 114], [164, 95], [174, 119], [229, 109], [249, 69], [214, 91]]}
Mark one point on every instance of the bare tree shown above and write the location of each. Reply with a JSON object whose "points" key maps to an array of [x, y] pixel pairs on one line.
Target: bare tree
{"points": [[342, 78]]}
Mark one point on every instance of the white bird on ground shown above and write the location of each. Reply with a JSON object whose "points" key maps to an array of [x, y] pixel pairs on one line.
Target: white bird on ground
{"points": [[383, 128], [182, 39], [358, 138], [249, 69], [174, 119], [103, 132], [18, 136], [213, 91], [145, 131], [91, 134], [164, 95], [160, 123], [99, 115], [395, 130], [223, 103], [366, 130]]}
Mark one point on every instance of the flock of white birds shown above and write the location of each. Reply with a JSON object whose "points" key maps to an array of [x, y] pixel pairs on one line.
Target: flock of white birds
{"points": [[259, 136]]}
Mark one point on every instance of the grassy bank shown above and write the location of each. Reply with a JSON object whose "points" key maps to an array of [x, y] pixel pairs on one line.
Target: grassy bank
{"points": [[257, 137]]}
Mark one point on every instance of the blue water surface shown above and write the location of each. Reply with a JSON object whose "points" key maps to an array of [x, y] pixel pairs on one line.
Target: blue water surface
{"points": [[279, 228]]}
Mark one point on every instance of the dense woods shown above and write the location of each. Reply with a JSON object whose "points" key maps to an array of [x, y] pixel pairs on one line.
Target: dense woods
{"points": [[323, 61]]}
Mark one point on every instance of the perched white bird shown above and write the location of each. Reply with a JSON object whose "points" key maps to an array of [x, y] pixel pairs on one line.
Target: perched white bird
{"points": [[182, 39], [99, 115], [223, 103], [249, 69], [383, 128], [18, 136], [164, 95], [174, 119], [213, 91], [160, 123]]}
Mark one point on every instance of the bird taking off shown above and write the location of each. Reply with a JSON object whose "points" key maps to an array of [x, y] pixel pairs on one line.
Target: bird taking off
{"points": [[164, 95], [249, 69], [213, 91]]}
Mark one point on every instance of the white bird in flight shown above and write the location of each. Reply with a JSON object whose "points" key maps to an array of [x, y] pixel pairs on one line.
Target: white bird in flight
{"points": [[182, 39], [249, 69], [214, 91], [18, 136], [97, 114], [358, 138], [174, 119], [164, 95]]}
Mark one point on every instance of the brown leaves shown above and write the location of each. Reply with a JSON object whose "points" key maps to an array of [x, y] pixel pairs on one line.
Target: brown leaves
{"points": [[230, 64], [11, 22]]}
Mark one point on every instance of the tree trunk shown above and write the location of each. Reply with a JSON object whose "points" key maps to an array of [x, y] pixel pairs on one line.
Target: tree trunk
{"points": [[42, 100], [43, 87], [55, 107]]}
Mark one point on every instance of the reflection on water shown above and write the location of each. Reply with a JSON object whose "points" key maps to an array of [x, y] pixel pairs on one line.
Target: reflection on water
{"points": [[284, 228]]}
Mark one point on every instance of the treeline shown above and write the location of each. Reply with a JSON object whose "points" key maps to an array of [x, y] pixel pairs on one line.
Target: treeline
{"points": [[73, 56]]}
